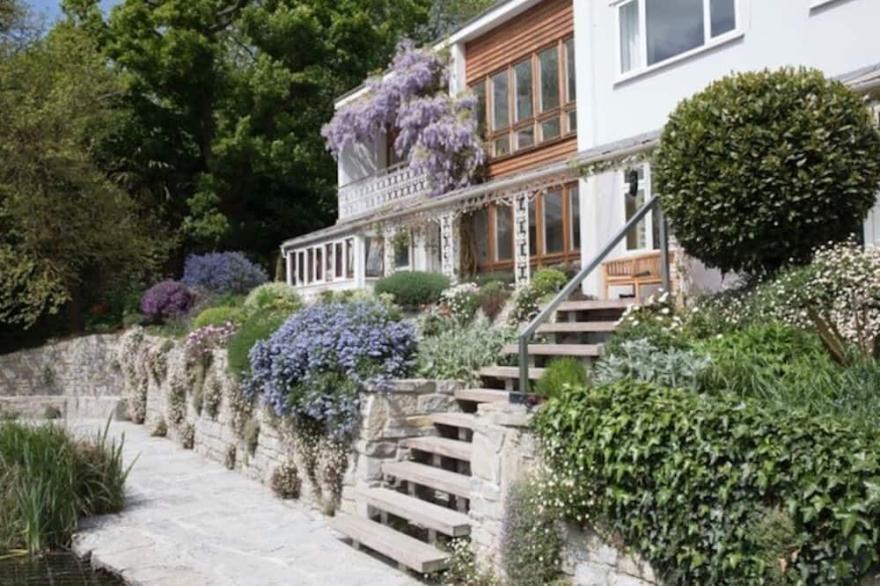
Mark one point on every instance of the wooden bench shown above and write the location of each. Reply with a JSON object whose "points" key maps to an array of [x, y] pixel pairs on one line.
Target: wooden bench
{"points": [[634, 271]]}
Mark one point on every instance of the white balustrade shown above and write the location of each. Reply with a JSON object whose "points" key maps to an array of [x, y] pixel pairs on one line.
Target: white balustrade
{"points": [[388, 186]]}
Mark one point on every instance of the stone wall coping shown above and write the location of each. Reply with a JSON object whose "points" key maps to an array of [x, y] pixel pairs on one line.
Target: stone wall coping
{"points": [[420, 386], [506, 414]]}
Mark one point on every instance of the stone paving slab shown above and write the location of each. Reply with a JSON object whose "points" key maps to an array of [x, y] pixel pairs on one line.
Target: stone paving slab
{"points": [[189, 521]]}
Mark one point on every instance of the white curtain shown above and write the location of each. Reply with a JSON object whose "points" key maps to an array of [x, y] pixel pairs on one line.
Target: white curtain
{"points": [[630, 54]]}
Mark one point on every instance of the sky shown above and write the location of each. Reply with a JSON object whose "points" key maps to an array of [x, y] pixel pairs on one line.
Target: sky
{"points": [[52, 8]]}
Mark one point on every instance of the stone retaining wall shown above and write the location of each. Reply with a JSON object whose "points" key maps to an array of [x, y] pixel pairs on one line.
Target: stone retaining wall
{"points": [[505, 451], [78, 377]]}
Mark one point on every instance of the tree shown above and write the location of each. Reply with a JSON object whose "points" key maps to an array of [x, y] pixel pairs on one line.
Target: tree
{"points": [[760, 168], [61, 219]]}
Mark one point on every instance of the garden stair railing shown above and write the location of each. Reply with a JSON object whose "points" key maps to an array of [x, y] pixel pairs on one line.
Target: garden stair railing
{"points": [[529, 331]]}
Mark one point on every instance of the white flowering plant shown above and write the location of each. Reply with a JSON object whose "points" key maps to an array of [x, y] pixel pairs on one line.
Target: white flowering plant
{"points": [[461, 302]]}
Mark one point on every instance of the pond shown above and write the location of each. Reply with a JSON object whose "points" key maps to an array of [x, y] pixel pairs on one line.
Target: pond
{"points": [[56, 569]]}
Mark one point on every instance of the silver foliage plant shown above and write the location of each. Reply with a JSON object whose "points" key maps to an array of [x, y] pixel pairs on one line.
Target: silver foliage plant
{"points": [[643, 361]]}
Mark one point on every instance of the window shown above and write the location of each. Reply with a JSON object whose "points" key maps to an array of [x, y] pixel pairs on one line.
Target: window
{"points": [[339, 258], [574, 206], [402, 251], [531, 101], [481, 231], [503, 233], [349, 258], [301, 267], [654, 31], [533, 227], [319, 265], [311, 266], [554, 228], [328, 262], [374, 256], [645, 234]]}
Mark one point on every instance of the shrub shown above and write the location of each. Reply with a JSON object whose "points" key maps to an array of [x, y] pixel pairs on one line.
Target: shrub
{"points": [[531, 540], [255, 328], [492, 297], [655, 320], [202, 341], [759, 168], [165, 300], [412, 289], [560, 374], [548, 281], [279, 297], [461, 302], [641, 360], [525, 305], [315, 365], [218, 316], [458, 352], [285, 482], [222, 272], [679, 476]]}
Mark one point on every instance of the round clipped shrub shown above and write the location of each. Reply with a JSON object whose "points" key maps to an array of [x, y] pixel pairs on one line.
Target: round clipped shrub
{"points": [[222, 272], [166, 299], [218, 316], [273, 297], [257, 327], [547, 281], [758, 169], [412, 289]]}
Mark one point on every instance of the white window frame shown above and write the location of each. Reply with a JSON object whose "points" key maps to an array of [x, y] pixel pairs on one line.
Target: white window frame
{"points": [[709, 43], [300, 269], [646, 186]]}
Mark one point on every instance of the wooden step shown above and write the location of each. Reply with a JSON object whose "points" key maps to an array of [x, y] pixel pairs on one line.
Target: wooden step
{"points": [[594, 305], [509, 372], [462, 420], [421, 474], [579, 350], [440, 445], [417, 511], [482, 395], [401, 548], [577, 327]]}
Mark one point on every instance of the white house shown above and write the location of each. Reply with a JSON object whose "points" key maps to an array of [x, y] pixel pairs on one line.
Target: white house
{"points": [[562, 82]]}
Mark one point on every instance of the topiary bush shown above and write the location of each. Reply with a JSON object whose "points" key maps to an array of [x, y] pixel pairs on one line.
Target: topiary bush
{"points": [[548, 281], [167, 299], [413, 289], [759, 168], [560, 374], [682, 477], [255, 328], [222, 272], [218, 316], [273, 297]]}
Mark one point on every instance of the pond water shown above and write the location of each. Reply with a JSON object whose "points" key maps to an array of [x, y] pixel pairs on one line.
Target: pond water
{"points": [[56, 569]]}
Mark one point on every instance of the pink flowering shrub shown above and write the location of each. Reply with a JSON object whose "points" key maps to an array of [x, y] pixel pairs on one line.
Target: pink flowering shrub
{"points": [[437, 133], [207, 338]]}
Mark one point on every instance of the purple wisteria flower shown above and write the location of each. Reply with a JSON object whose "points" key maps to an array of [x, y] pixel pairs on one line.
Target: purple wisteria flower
{"points": [[317, 363], [222, 272], [166, 299]]}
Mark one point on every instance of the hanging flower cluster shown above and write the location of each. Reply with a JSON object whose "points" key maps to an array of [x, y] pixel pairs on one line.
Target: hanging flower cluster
{"points": [[436, 132]]}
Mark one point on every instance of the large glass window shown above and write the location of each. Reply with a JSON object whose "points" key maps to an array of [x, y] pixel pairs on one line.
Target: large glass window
{"points": [[479, 90], [643, 235], [328, 262], [554, 228], [349, 258], [503, 233], [374, 256], [338, 258], [549, 66], [523, 75], [672, 27], [571, 87], [481, 235], [311, 266], [533, 227], [575, 214], [401, 252], [500, 106], [319, 264]]}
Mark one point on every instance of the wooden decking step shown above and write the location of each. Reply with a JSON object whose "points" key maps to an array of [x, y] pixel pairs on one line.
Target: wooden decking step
{"points": [[437, 478], [417, 511], [580, 350], [462, 420], [402, 548], [509, 372], [576, 327], [482, 395], [440, 445], [594, 305]]}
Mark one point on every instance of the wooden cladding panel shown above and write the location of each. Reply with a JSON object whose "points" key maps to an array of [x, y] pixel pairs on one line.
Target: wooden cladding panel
{"points": [[543, 154], [549, 21]]}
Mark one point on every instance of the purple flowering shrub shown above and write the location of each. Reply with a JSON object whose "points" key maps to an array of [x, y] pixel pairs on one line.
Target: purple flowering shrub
{"points": [[166, 299], [315, 366], [222, 272], [437, 133]]}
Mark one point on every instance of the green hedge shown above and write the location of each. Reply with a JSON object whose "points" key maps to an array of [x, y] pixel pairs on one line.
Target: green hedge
{"points": [[717, 490], [412, 289]]}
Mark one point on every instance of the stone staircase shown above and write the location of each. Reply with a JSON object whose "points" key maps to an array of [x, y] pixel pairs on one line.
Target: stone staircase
{"points": [[425, 501]]}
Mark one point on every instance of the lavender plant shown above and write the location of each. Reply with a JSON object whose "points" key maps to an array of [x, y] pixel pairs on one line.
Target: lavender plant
{"points": [[318, 363], [437, 133], [222, 272]]}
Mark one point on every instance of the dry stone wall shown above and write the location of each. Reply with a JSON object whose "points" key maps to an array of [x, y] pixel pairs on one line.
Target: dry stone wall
{"points": [[77, 377]]}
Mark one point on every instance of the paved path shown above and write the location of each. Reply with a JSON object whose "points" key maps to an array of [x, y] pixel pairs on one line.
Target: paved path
{"points": [[189, 521]]}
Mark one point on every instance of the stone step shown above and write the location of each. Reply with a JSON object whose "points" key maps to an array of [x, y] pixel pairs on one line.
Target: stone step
{"points": [[429, 476], [595, 305], [417, 511], [578, 327], [440, 445], [482, 395], [462, 420], [509, 372], [408, 551], [578, 350]]}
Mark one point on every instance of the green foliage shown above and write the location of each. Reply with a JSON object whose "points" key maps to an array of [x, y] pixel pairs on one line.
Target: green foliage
{"points": [[641, 360], [759, 168], [456, 353], [255, 328], [525, 305], [218, 316], [413, 289], [656, 320], [560, 374], [547, 281], [273, 297], [531, 540], [492, 297], [680, 477]]}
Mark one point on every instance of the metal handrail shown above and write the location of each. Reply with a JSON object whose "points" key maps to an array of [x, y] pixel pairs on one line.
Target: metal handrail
{"points": [[526, 335]]}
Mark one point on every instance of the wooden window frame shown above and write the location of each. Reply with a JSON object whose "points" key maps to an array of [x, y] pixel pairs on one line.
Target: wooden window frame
{"points": [[561, 112]]}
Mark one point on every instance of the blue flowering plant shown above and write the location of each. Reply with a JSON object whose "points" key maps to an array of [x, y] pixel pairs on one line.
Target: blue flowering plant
{"points": [[220, 273], [316, 366]]}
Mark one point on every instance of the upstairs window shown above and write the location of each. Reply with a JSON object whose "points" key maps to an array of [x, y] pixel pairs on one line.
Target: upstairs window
{"points": [[654, 31]]}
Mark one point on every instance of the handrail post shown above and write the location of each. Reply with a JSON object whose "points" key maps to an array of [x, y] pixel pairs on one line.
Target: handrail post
{"points": [[664, 250], [524, 364]]}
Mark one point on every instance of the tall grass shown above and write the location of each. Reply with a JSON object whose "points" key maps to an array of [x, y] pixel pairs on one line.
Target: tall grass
{"points": [[49, 480]]}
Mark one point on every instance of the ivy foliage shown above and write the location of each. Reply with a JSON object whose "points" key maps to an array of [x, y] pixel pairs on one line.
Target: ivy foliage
{"points": [[760, 168], [688, 481]]}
